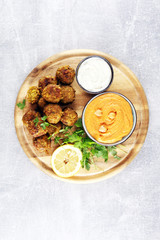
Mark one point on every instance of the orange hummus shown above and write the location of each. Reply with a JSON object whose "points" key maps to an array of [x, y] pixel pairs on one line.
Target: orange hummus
{"points": [[108, 118]]}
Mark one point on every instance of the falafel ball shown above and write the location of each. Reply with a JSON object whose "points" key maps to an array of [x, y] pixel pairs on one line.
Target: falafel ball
{"points": [[68, 94], [65, 74], [35, 129], [52, 93], [69, 117], [30, 115], [53, 113], [42, 102], [44, 81], [54, 128], [33, 94], [42, 144]]}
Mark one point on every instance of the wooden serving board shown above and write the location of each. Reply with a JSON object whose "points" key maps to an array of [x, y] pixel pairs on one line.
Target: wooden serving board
{"points": [[124, 82]]}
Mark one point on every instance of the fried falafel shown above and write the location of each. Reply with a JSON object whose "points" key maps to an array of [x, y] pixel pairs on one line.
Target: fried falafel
{"points": [[65, 74], [52, 93], [53, 113], [69, 117], [53, 129], [42, 144], [68, 94], [44, 81], [29, 116], [42, 102], [35, 129], [33, 94]]}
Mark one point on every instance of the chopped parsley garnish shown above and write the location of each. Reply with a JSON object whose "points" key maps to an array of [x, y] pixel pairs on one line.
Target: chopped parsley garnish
{"points": [[65, 130], [57, 139], [44, 124], [21, 105], [79, 123], [51, 136], [36, 120], [44, 118]]}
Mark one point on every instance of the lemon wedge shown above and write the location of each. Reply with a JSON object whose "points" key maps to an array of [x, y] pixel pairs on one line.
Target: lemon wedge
{"points": [[66, 160]]}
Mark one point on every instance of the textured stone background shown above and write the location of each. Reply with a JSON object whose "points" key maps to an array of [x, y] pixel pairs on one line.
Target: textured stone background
{"points": [[35, 206]]}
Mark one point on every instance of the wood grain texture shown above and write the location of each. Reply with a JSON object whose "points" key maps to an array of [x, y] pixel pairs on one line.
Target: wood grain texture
{"points": [[124, 82]]}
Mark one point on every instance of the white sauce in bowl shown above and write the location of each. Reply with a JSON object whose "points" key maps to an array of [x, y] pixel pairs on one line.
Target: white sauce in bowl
{"points": [[94, 74]]}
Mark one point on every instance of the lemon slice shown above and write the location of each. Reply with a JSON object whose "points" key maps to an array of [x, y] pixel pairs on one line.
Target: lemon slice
{"points": [[66, 160]]}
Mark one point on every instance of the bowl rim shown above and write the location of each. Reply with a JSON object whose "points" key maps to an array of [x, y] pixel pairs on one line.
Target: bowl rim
{"points": [[125, 137], [112, 74]]}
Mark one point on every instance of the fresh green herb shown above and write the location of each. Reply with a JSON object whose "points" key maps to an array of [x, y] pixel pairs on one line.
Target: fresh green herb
{"points": [[73, 138], [44, 125], [100, 151], [36, 120], [57, 140], [65, 130], [117, 157], [113, 152], [79, 123], [51, 136], [44, 118], [88, 147], [85, 162], [21, 105]]}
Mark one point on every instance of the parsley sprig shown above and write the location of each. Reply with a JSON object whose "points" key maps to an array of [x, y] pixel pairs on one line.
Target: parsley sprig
{"points": [[36, 120], [44, 124], [22, 104], [88, 147]]}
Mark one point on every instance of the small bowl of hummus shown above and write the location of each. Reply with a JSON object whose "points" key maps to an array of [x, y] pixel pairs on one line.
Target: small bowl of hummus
{"points": [[94, 74], [109, 118]]}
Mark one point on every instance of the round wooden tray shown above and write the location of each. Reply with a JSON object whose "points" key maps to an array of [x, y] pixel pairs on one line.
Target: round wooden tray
{"points": [[124, 82]]}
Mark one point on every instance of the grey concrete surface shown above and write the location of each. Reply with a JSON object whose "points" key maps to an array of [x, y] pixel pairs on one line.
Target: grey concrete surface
{"points": [[35, 206]]}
